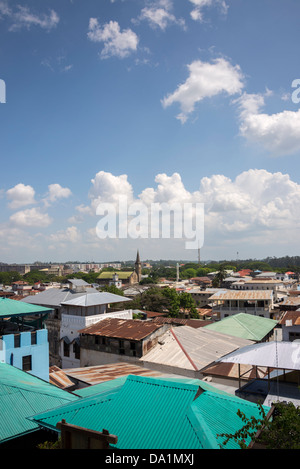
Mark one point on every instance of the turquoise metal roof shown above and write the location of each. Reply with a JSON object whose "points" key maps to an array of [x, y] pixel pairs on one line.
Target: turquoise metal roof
{"points": [[9, 308], [22, 395], [153, 413], [244, 325], [109, 385]]}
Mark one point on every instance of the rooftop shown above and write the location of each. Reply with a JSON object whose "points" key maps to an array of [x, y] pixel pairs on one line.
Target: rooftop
{"points": [[54, 297], [10, 308], [22, 395], [191, 349], [244, 325], [94, 375], [172, 414], [109, 275], [283, 355], [242, 295], [93, 299], [129, 329]]}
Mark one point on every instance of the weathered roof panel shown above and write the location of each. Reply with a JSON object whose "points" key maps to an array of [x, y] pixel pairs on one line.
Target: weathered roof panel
{"points": [[130, 329]]}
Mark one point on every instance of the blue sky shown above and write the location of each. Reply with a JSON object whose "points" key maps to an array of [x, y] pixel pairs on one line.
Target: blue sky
{"points": [[156, 100]]}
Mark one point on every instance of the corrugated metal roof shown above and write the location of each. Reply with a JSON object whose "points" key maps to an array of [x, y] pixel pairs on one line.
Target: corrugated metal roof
{"points": [[109, 275], [293, 316], [192, 349], [22, 395], [59, 378], [130, 329], [284, 355], [186, 322], [290, 301], [93, 299], [242, 295], [77, 282], [172, 414], [246, 326], [93, 375], [9, 308], [55, 296]]}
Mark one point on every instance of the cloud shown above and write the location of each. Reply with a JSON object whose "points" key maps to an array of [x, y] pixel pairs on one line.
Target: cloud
{"points": [[159, 15], [248, 209], [199, 5], [116, 42], [70, 235], [107, 188], [205, 81], [56, 192], [20, 195], [30, 218], [22, 17], [278, 133]]}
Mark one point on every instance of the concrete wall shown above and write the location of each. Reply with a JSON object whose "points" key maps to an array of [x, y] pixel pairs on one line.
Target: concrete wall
{"points": [[39, 352]]}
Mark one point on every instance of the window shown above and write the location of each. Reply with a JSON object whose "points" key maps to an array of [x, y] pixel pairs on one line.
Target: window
{"points": [[26, 363], [17, 340], [121, 347], [66, 349], [33, 338], [76, 350]]}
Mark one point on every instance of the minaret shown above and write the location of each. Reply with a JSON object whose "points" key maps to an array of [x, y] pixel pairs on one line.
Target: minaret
{"points": [[138, 266]]}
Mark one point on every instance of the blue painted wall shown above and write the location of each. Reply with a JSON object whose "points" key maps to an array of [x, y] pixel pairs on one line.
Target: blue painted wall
{"points": [[39, 352]]}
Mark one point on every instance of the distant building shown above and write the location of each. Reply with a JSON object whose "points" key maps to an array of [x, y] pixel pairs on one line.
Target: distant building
{"points": [[257, 302], [127, 278]]}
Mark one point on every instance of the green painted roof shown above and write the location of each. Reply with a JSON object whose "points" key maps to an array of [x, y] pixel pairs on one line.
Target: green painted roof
{"points": [[109, 385], [22, 395], [9, 308], [244, 325], [152, 413], [109, 275]]}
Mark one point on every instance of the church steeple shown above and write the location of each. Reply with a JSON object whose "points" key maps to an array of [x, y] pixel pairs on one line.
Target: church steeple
{"points": [[138, 266]]}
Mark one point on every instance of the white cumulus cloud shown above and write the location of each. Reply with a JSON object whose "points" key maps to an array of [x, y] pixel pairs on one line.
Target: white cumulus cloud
{"points": [[159, 14], [116, 42], [205, 81], [20, 195], [56, 192], [32, 217], [200, 5], [278, 133]]}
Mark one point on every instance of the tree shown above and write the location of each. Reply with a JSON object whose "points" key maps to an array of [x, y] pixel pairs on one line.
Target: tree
{"points": [[281, 431], [188, 303], [112, 289], [219, 277]]}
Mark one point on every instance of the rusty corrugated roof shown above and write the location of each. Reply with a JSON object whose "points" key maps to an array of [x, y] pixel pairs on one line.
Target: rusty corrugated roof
{"points": [[185, 322], [98, 374], [242, 295], [130, 329], [293, 316], [59, 378]]}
